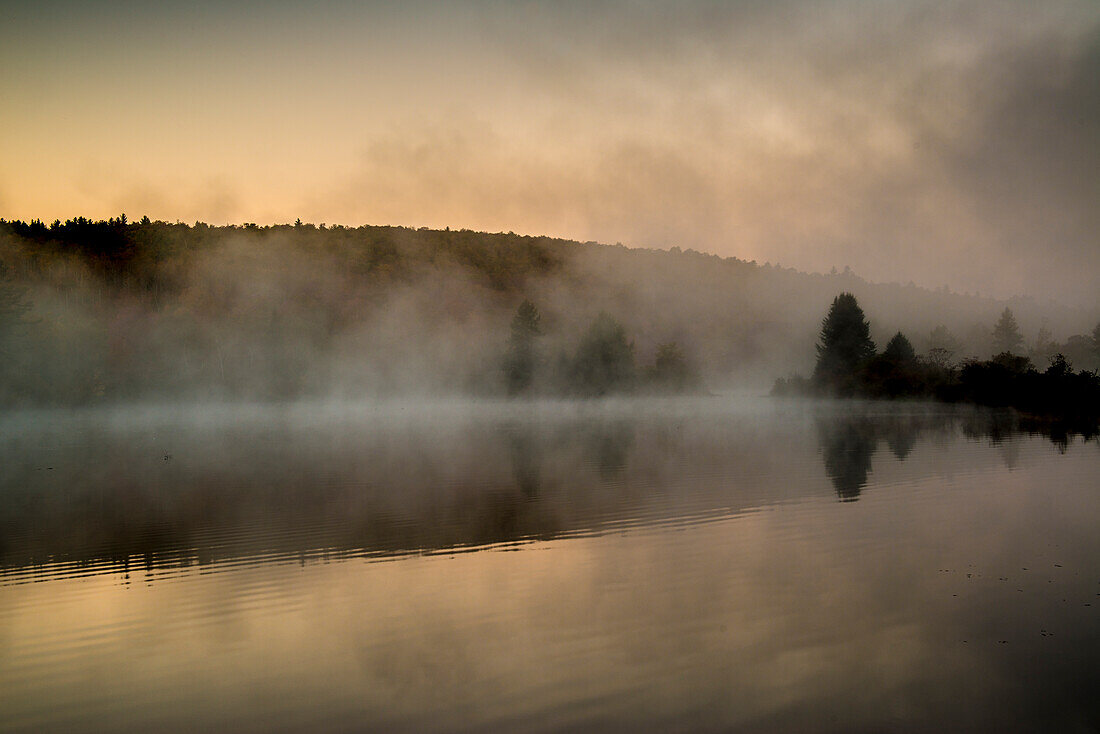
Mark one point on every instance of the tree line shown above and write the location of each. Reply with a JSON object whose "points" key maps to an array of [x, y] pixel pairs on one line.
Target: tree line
{"points": [[602, 363], [136, 310], [133, 309], [849, 365]]}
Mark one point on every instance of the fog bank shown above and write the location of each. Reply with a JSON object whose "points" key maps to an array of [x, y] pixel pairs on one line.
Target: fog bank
{"points": [[151, 311]]}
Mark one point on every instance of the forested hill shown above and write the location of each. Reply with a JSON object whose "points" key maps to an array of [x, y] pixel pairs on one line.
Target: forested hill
{"points": [[152, 310]]}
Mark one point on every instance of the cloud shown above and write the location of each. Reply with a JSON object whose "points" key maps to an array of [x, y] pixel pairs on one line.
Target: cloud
{"points": [[1028, 166], [109, 190], [940, 142]]}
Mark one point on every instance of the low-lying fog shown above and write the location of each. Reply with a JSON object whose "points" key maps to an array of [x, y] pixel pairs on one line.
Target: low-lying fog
{"points": [[104, 312], [179, 484]]}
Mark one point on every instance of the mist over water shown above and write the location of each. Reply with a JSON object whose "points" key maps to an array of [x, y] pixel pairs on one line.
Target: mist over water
{"points": [[722, 563], [395, 467]]}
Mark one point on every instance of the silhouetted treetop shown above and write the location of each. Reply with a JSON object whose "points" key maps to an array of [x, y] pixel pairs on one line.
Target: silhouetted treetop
{"points": [[899, 349], [844, 344], [1007, 380]]}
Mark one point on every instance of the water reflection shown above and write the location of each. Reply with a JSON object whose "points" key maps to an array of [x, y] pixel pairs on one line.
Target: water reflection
{"points": [[106, 497], [996, 426], [526, 448], [697, 572], [847, 445], [609, 444], [98, 494], [901, 439], [848, 438]]}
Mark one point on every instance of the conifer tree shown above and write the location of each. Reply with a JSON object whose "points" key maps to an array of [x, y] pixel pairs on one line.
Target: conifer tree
{"points": [[900, 350], [845, 346]]}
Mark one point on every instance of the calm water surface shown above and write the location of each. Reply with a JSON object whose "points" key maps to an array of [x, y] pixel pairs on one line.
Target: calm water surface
{"points": [[688, 565]]}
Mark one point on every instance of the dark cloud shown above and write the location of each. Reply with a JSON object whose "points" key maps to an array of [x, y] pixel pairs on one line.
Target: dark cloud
{"points": [[1029, 164], [940, 142]]}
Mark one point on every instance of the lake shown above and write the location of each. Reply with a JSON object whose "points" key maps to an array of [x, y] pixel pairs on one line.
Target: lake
{"points": [[709, 564]]}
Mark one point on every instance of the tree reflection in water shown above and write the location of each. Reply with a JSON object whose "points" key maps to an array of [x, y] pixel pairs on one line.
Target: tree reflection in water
{"points": [[847, 444], [241, 490], [848, 439]]}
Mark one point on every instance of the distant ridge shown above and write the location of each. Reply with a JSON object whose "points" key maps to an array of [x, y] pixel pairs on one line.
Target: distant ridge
{"points": [[133, 309]]}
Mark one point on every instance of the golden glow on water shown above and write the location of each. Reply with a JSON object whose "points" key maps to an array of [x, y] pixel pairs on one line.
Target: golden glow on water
{"points": [[911, 605]]}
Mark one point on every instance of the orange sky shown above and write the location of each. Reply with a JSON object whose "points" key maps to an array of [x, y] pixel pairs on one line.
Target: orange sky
{"points": [[940, 142]]}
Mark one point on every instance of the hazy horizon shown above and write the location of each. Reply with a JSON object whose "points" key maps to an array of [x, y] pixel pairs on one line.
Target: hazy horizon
{"points": [[548, 365], [1008, 299], [941, 143]]}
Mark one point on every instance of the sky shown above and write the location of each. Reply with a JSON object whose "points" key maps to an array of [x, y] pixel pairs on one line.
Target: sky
{"points": [[935, 141]]}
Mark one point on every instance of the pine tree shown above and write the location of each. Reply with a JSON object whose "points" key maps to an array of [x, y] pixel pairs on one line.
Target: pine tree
{"points": [[899, 349], [845, 346]]}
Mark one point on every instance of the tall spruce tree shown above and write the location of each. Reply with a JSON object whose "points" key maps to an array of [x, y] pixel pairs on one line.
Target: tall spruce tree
{"points": [[844, 347]]}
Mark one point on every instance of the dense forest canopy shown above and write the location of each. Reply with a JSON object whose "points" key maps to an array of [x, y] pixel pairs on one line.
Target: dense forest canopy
{"points": [[119, 309]]}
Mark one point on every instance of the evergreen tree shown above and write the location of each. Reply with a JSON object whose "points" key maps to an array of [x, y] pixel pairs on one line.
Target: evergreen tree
{"points": [[522, 357], [845, 346], [894, 372], [1006, 334], [900, 350], [605, 359]]}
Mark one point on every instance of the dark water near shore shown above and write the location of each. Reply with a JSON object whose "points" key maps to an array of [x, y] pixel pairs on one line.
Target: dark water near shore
{"points": [[689, 565]]}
